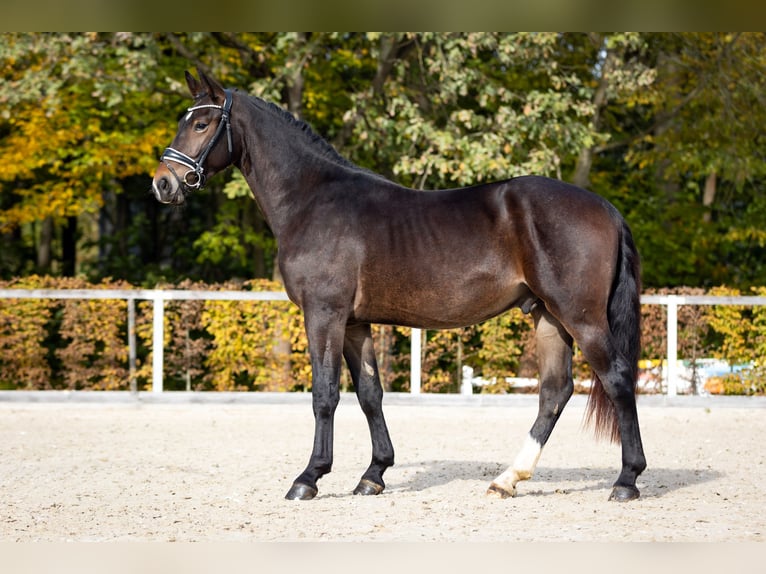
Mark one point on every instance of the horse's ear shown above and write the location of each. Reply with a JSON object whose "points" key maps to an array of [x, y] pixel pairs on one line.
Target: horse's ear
{"points": [[214, 89], [195, 87]]}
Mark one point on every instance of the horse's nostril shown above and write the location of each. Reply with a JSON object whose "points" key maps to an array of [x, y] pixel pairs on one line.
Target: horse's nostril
{"points": [[164, 184]]}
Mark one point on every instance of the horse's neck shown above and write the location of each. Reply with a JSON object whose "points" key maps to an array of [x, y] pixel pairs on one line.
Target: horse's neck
{"points": [[281, 166]]}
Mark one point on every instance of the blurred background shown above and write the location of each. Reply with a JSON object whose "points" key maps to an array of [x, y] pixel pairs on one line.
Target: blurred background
{"points": [[667, 126]]}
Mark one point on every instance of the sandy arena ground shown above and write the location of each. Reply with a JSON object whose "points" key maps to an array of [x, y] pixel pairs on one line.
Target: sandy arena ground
{"points": [[130, 470]]}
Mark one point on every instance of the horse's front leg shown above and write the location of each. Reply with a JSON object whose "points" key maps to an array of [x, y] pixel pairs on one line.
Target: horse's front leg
{"points": [[325, 332]]}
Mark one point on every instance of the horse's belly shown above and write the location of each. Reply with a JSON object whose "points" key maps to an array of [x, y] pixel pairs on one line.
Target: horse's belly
{"points": [[438, 306]]}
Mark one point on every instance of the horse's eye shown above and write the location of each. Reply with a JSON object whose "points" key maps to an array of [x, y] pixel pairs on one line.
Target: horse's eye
{"points": [[200, 127]]}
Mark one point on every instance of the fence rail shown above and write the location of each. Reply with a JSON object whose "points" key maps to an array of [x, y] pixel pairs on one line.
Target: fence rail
{"points": [[159, 296], [672, 302]]}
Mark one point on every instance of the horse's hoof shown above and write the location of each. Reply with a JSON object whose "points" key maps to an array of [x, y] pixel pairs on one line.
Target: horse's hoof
{"points": [[300, 491], [499, 492], [624, 493], [367, 487]]}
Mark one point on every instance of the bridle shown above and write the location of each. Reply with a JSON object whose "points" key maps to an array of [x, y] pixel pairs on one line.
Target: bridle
{"points": [[194, 178]]}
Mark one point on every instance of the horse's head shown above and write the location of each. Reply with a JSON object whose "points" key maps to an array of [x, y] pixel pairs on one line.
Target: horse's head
{"points": [[198, 151]]}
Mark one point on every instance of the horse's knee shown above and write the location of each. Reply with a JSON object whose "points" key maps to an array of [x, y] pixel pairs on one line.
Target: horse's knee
{"points": [[325, 404]]}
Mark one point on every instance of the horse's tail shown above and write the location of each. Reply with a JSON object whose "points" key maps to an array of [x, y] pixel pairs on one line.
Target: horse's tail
{"points": [[624, 317]]}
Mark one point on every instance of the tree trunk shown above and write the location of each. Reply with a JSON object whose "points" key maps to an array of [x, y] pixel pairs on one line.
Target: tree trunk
{"points": [[708, 196], [585, 159], [106, 226], [294, 89], [667, 180], [393, 48], [44, 246], [581, 176], [69, 247]]}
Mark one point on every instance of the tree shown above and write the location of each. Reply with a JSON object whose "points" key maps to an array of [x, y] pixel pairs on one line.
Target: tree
{"points": [[618, 77], [705, 147], [663, 125], [68, 129], [459, 109]]}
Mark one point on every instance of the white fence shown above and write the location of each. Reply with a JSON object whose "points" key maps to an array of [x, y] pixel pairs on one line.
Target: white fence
{"points": [[672, 303], [159, 296]]}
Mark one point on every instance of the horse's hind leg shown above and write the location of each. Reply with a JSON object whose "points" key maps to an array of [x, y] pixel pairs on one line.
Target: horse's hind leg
{"points": [[614, 374], [554, 357], [360, 357]]}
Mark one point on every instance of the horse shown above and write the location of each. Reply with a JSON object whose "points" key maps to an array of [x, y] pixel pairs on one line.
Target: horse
{"points": [[356, 249]]}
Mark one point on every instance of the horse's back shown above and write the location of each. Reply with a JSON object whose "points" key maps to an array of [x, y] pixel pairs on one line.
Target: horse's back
{"points": [[538, 193], [450, 258]]}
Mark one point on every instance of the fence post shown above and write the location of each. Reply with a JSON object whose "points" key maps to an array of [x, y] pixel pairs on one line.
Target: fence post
{"points": [[415, 366], [132, 344], [672, 328], [158, 342]]}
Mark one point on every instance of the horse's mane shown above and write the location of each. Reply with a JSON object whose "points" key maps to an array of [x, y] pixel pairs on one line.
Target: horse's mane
{"points": [[313, 138]]}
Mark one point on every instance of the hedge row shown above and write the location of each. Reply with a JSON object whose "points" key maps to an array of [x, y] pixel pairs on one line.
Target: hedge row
{"points": [[261, 345], [208, 345]]}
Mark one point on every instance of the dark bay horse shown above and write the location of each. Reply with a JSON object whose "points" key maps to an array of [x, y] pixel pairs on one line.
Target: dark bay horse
{"points": [[356, 249]]}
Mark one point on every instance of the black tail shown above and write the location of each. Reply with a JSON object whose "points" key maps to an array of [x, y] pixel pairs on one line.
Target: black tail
{"points": [[624, 316]]}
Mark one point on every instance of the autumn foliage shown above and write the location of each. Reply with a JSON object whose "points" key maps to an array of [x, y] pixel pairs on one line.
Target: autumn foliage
{"points": [[261, 345]]}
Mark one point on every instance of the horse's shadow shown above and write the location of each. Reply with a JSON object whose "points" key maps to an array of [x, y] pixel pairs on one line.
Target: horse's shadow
{"points": [[654, 482]]}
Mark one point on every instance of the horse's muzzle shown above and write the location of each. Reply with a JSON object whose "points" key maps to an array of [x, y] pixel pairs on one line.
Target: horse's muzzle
{"points": [[166, 190]]}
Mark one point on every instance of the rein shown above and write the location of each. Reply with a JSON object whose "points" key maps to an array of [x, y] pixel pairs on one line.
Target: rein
{"points": [[194, 178]]}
